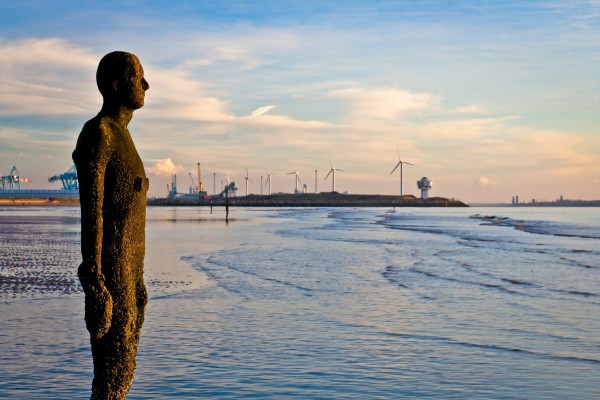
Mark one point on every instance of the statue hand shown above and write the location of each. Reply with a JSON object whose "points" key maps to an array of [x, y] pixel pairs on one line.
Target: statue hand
{"points": [[98, 310]]}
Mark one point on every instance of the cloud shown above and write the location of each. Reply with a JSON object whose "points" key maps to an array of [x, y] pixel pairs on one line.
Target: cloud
{"points": [[164, 167], [244, 47], [8, 154], [484, 181], [176, 95], [383, 104], [47, 76], [470, 109], [261, 110], [56, 77], [320, 78]]}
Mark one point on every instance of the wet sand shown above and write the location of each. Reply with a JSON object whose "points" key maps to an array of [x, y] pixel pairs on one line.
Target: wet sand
{"points": [[39, 202], [40, 253]]}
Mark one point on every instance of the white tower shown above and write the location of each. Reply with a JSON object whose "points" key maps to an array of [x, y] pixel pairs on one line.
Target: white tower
{"points": [[424, 184]]}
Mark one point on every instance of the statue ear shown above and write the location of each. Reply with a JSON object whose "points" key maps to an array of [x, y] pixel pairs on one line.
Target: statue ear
{"points": [[115, 85]]}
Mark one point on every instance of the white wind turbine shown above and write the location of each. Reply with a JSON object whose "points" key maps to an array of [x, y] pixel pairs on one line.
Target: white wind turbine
{"points": [[247, 179], [332, 173], [400, 162], [269, 180], [297, 179]]}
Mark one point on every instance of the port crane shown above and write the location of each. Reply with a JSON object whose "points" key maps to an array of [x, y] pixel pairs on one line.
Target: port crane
{"points": [[193, 187], [68, 179], [13, 180]]}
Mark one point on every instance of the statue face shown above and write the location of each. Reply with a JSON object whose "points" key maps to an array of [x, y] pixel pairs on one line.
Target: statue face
{"points": [[135, 87]]}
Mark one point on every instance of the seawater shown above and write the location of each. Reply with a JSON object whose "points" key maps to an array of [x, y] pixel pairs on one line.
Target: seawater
{"points": [[477, 303]]}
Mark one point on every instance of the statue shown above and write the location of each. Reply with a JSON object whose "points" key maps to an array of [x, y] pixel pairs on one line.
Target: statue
{"points": [[112, 187]]}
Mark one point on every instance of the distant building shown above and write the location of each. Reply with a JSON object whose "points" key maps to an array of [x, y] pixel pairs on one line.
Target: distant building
{"points": [[424, 184]]}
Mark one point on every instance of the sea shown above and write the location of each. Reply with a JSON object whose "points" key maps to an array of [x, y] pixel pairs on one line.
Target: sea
{"points": [[320, 303]]}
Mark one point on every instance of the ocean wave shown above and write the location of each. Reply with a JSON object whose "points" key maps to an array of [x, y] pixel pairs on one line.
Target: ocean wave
{"points": [[467, 282], [494, 347], [584, 231], [218, 265], [500, 348], [445, 269], [577, 263], [211, 274]]}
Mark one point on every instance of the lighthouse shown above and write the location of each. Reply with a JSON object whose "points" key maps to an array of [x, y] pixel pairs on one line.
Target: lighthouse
{"points": [[424, 184]]}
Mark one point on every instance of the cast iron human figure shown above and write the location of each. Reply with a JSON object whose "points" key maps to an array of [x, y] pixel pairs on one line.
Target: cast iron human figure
{"points": [[112, 187]]}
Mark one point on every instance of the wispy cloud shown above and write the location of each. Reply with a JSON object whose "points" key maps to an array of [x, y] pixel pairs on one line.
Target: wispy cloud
{"points": [[46, 76], [445, 90], [10, 154], [471, 109], [384, 103], [261, 110], [242, 47]]}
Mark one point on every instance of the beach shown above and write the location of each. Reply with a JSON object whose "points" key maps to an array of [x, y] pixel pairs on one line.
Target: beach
{"points": [[39, 202], [319, 303]]}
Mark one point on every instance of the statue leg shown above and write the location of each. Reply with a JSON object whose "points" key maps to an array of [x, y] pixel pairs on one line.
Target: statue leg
{"points": [[114, 364], [114, 354]]}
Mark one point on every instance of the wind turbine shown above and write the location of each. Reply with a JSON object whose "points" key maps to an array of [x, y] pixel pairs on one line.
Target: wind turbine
{"points": [[400, 162], [297, 179], [269, 181], [332, 173], [247, 179]]}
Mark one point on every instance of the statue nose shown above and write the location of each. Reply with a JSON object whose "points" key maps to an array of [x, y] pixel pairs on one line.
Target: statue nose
{"points": [[145, 84]]}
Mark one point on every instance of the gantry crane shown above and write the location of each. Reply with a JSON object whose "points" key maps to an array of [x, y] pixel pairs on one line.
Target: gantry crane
{"points": [[68, 179], [13, 180]]}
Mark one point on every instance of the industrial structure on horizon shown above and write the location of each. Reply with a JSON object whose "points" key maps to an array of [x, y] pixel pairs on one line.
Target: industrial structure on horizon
{"points": [[11, 186], [424, 184]]}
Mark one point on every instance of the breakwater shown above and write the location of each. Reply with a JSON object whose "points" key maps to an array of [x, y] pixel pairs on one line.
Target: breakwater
{"points": [[313, 200]]}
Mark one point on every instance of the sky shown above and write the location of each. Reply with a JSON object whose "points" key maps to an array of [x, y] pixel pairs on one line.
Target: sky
{"points": [[488, 99]]}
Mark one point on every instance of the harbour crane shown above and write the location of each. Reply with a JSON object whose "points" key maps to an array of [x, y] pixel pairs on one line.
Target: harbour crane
{"points": [[13, 180], [193, 188], [68, 179]]}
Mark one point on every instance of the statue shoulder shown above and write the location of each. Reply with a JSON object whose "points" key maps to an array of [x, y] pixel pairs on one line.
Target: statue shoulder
{"points": [[100, 126], [97, 136]]}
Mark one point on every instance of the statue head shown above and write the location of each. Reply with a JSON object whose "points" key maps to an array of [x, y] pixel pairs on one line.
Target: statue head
{"points": [[120, 79]]}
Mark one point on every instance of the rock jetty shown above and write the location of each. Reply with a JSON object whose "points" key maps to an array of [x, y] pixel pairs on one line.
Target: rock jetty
{"points": [[313, 200]]}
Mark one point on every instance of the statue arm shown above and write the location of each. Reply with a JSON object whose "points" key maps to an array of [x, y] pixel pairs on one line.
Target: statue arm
{"points": [[92, 156]]}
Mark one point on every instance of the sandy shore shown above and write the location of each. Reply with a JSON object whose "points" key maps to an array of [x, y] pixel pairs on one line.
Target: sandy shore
{"points": [[39, 202]]}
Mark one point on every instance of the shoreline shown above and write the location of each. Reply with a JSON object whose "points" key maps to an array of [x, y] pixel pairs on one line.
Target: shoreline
{"points": [[313, 200], [276, 200], [17, 202]]}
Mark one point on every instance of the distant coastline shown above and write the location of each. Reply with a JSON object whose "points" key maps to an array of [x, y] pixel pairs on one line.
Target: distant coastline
{"points": [[59, 201], [556, 203], [313, 200], [307, 200]]}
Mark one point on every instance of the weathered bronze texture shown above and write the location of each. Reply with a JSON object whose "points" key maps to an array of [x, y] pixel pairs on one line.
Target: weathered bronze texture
{"points": [[113, 186]]}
